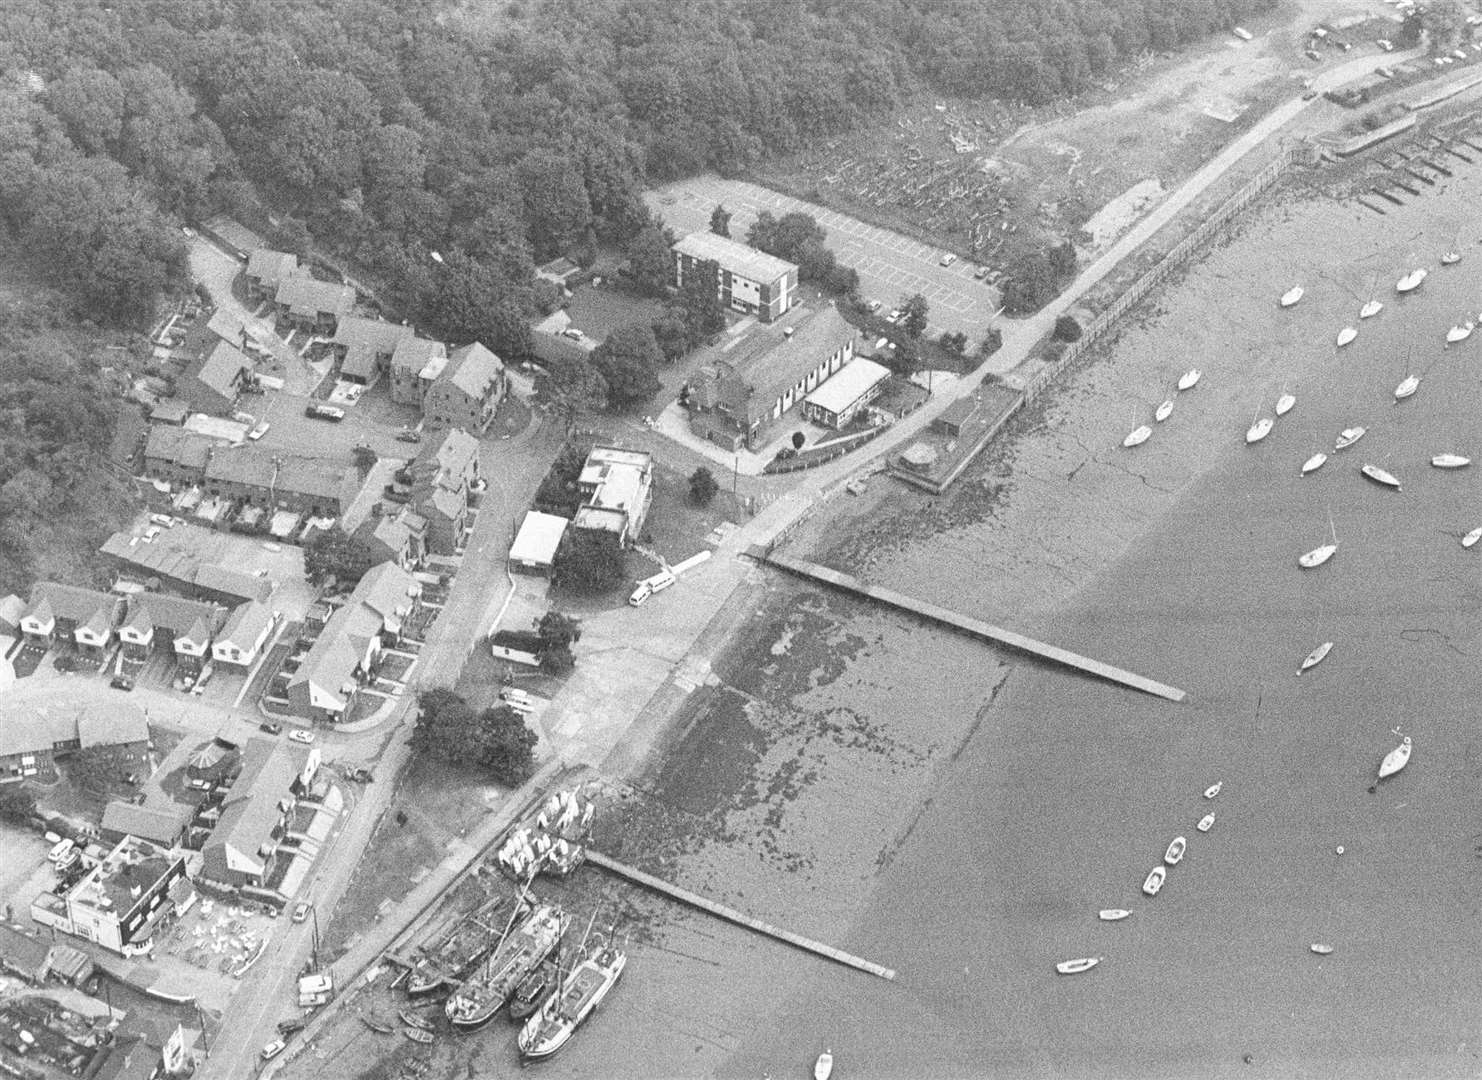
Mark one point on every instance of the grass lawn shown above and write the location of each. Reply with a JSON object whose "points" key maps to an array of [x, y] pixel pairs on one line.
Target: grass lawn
{"points": [[676, 526], [597, 310]]}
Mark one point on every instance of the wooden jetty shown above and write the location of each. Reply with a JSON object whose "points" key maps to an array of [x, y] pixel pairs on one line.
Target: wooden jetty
{"points": [[976, 627], [648, 881]]}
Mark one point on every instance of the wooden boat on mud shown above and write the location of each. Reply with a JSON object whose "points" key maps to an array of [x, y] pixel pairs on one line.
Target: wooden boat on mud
{"points": [[1313, 463], [1154, 880], [1175, 851], [1137, 436], [1380, 476], [532, 993], [417, 1035], [1075, 967], [1395, 760], [1450, 461], [411, 1019], [377, 1026], [1316, 656], [1189, 379]]}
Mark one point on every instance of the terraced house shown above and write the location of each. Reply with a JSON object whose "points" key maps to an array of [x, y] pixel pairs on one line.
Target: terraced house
{"points": [[187, 626], [66, 613]]}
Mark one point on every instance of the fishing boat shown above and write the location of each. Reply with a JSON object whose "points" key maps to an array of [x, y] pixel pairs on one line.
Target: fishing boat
{"points": [[1321, 949], [1408, 386], [1472, 537], [1205, 823], [1369, 310], [411, 1019], [1213, 789], [417, 1035], [1347, 437], [1395, 760], [576, 999], [1411, 281], [1155, 880], [1137, 436], [1380, 476], [1075, 967], [1175, 851], [1259, 430], [1112, 914], [823, 1068], [1291, 296], [446, 963], [1316, 656], [1164, 411], [531, 994], [1284, 403], [1460, 333], [1313, 463], [1450, 461], [520, 952], [1189, 379], [1451, 258], [376, 1026], [1346, 335]]}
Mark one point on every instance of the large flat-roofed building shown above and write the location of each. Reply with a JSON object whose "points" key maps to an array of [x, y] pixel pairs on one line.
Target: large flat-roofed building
{"points": [[535, 546], [221, 567], [119, 902], [754, 378], [840, 399], [749, 280], [616, 487]]}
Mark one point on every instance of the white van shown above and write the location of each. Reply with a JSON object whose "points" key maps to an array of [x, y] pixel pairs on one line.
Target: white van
{"points": [[650, 585], [517, 699], [57, 855]]}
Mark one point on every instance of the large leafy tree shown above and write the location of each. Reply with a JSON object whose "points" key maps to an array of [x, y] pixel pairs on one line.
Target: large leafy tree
{"points": [[650, 260], [627, 360], [495, 740], [589, 561]]}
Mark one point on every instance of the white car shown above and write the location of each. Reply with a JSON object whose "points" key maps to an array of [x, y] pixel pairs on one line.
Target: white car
{"points": [[273, 1049], [948, 259], [259, 430], [300, 735], [874, 305]]}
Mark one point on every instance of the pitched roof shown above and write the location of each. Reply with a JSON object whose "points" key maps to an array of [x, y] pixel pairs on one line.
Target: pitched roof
{"points": [[251, 811], [310, 296], [738, 258], [192, 556], [473, 369], [243, 465], [271, 267], [222, 368], [416, 354], [81, 606], [193, 619], [366, 339], [382, 600], [50, 715], [20, 951], [388, 590], [12, 608], [159, 823], [846, 385], [188, 449], [255, 467], [245, 625], [770, 360]]}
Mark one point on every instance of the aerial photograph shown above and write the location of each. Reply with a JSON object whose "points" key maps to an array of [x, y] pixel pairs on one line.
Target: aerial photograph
{"points": [[740, 539]]}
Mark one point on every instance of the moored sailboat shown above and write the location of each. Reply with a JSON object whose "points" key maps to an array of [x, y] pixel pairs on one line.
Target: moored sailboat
{"points": [[1258, 430], [1370, 309], [1408, 386], [1285, 402], [1316, 656], [1189, 379], [521, 952], [1347, 334], [1291, 296], [1395, 760], [1460, 333], [1314, 463], [1472, 537], [573, 1002], [1113, 914], [1411, 281], [1450, 461], [1137, 436], [1322, 553], [1075, 967], [1380, 476], [1164, 411], [1347, 437]]}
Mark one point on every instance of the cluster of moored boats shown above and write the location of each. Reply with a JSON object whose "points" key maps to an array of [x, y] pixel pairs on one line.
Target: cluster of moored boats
{"points": [[1140, 434]]}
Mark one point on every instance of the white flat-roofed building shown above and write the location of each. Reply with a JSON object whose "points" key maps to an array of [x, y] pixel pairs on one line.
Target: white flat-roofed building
{"points": [[534, 549], [837, 401], [749, 280], [617, 487]]}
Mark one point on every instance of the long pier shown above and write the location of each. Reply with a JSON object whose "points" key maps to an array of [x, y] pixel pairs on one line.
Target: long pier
{"points": [[648, 881], [976, 627]]}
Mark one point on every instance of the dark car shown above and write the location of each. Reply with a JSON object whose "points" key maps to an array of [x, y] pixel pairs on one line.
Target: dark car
{"points": [[271, 729], [408, 435], [122, 682], [289, 1027], [362, 774]]}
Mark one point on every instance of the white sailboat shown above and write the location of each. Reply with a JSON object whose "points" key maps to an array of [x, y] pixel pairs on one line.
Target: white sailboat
{"points": [[1472, 537], [1369, 310], [1408, 386], [1316, 656], [823, 1068], [1291, 296], [1322, 553], [1347, 334], [1285, 402], [1314, 463], [1137, 436], [1460, 333], [1450, 461], [1065, 967], [1411, 281], [1189, 379], [1164, 411], [1395, 760], [1347, 437], [1380, 476], [1113, 914], [1321, 949], [1259, 429]]}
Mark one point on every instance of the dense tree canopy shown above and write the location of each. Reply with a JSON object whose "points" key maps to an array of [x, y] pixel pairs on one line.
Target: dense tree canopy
{"points": [[495, 740]]}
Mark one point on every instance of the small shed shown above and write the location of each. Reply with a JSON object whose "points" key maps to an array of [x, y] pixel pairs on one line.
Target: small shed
{"points": [[534, 549]]}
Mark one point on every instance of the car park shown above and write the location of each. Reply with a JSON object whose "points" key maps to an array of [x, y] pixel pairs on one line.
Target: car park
{"points": [[273, 1049], [300, 735], [271, 728]]}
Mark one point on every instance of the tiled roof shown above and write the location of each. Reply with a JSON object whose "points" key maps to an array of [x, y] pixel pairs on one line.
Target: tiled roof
{"points": [[473, 369], [245, 624], [770, 361], [251, 811], [414, 354], [174, 613], [188, 449], [271, 267], [42, 720], [160, 823], [308, 296], [82, 606], [222, 368]]}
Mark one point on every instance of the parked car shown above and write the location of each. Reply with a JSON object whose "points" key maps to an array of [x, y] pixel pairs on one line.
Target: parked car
{"points": [[948, 259], [325, 412], [300, 911], [273, 1049], [1385, 44], [290, 1027], [1384, 73], [271, 728], [1312, 54], [122, 682], [362, 774], [408, 435], [300, 735], [873, 305], [259, 429]]}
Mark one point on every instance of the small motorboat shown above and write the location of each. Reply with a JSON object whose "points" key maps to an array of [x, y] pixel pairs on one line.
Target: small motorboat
{"points": [[1460, 333], [1316, 656], [411, 1019], [1451, 258], [1213, 789], [1317, 556], [1205, 823], [377, 1026], [1472, 537], [1380, 476], [1284, 404], [1321, 949], [1313, 463], [1189, 379], [1259, 430], [1395, 760], [1411, 281], [1074, 967], [824, 1066], [1175, 851], [1347, 437], [1346, 335], [1410, 384], [1155, 880], [1450, 461], [1291, 296], [1369, 310], [1112, 914], [417, 1035], [1164, 411], [1137, 436]]}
